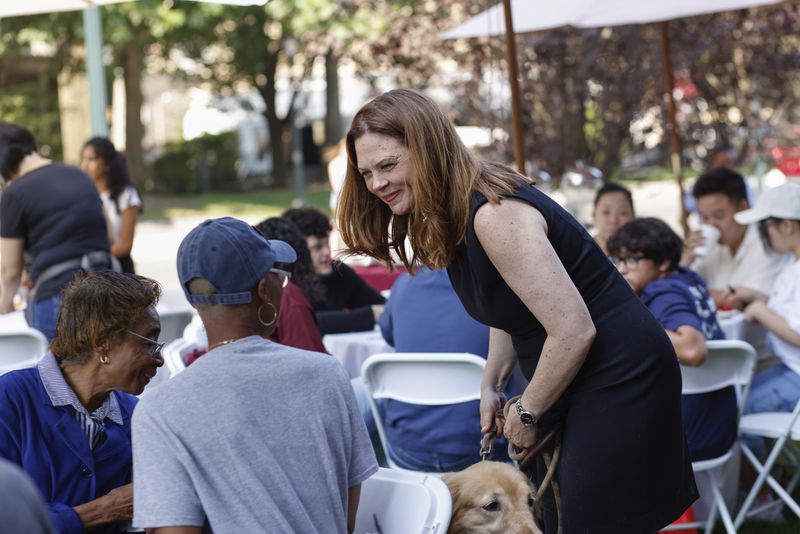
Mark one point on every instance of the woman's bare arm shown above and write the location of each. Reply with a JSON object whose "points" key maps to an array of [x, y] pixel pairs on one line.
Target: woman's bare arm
{"points": [[514, 236], [499, 365], [10, 270], [122, 246]]}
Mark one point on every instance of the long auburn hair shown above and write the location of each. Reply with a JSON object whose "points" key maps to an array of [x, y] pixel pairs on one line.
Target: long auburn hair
{"points": [[445, 176]]}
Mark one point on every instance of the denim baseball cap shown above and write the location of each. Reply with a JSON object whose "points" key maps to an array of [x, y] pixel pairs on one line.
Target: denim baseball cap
{"points": [[231, 255]]}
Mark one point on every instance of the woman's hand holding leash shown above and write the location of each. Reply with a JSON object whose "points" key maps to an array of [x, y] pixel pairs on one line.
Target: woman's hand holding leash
{"points": [[520, 437], [492, 403]]}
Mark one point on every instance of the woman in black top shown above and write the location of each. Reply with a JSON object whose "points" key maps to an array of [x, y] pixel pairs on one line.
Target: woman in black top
{"points": [[597, 360], [346, 303]]}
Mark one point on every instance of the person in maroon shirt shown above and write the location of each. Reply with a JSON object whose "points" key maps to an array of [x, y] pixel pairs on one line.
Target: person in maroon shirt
{"points": [[297, 324]]}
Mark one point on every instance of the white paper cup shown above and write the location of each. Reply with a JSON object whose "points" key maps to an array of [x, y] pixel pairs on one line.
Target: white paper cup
{"points": [[710, 238]]}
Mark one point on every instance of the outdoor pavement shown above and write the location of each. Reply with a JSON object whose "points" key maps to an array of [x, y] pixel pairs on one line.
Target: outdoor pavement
{"points": [[156, 242]]}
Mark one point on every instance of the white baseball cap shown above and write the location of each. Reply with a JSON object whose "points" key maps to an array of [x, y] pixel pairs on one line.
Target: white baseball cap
{"points": [[782, 202]]}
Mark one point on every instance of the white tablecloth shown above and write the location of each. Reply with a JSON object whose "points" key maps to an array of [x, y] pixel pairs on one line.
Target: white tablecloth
{"points": [[351, 349], [732, 323]]}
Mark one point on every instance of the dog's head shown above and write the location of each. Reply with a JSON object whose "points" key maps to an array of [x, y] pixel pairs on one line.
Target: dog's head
{"points": [[491, 498]]}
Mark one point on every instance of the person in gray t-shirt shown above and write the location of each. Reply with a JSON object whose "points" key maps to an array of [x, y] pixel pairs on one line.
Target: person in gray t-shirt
{"points": [[22, 508], [255, 436]]}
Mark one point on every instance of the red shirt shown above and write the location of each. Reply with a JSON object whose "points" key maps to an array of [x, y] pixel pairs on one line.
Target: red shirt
{"points": [[297, 324]]}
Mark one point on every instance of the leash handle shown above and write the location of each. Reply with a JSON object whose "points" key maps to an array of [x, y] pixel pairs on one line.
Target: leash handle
{"points": [[487, 442]]}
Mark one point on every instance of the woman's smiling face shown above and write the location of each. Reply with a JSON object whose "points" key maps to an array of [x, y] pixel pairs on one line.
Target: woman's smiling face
{"points": [[385, 164], [133, 361]]}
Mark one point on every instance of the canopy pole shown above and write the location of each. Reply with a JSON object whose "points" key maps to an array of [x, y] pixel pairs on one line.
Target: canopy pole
{"points": [[93, 30], [513, 80], [675, 141]]}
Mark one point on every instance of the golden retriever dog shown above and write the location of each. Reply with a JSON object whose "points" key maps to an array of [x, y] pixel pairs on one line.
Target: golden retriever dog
{"points": [[491, 498]]}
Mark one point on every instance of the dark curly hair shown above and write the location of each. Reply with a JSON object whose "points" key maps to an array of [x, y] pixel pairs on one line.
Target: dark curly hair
{"points": [[302, 270], [650, 237], [118, 178], [310, 221], [97, 308], [721, 181], [15, 144]]}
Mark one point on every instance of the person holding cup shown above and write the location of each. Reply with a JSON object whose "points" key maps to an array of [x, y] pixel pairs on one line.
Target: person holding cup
{"points": [[737, 262]]}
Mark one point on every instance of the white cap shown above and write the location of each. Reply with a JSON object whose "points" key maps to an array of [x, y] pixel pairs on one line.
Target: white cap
{"points": [[782, 202]]}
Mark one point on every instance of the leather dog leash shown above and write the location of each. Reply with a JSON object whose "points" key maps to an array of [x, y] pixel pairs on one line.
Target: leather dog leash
{"points": [[524, 457]]}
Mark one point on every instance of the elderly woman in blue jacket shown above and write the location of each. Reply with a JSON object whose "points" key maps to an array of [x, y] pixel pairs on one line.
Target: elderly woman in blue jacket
{"points": [[67, 422]]}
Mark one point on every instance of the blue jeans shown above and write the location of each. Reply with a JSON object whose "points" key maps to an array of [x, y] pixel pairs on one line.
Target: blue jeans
{"points": [[362, 399], [45, 313], [437, 462], [776, 389]]}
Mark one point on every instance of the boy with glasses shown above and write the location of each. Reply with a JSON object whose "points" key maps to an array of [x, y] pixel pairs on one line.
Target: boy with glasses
{"points": [[646, 252]]}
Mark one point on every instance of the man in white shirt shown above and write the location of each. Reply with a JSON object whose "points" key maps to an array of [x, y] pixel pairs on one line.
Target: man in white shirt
{"points": [[739, 259]]}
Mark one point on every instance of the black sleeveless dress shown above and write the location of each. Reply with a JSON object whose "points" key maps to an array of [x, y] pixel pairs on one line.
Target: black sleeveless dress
{"points": [[624, 464]]}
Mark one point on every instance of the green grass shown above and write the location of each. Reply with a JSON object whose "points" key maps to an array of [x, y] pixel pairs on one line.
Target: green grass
{"points": [[267, 203]]}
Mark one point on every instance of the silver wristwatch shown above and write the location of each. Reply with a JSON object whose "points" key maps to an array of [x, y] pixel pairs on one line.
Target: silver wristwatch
{"points": [[527, 418]]}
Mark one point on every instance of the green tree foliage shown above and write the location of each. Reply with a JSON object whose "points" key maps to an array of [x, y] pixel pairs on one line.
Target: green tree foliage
{"points": [[129, 30]]}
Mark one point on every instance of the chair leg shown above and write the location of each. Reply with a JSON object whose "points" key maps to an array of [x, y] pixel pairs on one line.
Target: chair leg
{"points": [[719, 501], [763, 473], [712, 512], [785, 497]]}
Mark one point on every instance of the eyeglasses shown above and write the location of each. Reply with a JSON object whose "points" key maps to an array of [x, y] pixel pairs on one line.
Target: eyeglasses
{"points": [[630, 262], [154, 346], [283, 276]]}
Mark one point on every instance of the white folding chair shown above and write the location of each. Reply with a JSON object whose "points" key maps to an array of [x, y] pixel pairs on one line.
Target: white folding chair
{"points": [[784, 428], [196, 331], [403, 502], [430, 379], [175, 353], [728, 363], [20, 349]]}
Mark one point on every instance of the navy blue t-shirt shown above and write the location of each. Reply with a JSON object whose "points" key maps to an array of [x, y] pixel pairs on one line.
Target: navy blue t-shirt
{"points": [[682, 299], [57, 211]]}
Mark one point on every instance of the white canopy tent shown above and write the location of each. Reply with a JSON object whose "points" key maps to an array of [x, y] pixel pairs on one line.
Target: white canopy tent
{"points": [[524, 16], [535, 16], [37, 7], [93, 32]]}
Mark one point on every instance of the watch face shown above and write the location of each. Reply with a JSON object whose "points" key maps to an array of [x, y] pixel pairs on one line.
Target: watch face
{"points": [[526, 418]]}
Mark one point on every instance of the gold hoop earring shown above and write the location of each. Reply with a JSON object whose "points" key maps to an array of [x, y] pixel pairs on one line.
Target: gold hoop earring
{"points": [[274, 314], [104, 358]]}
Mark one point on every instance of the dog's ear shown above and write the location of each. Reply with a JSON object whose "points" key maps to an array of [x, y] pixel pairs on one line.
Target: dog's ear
{"points": [[453, 482]]}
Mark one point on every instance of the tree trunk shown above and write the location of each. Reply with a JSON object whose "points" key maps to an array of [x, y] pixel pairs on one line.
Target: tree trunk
{"points": [[133, 64], [275, 125], [333, 116]]}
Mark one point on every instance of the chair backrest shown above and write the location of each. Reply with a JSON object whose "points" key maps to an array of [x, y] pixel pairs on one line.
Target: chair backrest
{"points": [[728, 363], [399, 502], [21, 349], [433, 379]]}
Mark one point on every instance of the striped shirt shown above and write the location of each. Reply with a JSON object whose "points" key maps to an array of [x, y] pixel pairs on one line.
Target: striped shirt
{"points": [[61, 394]]}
